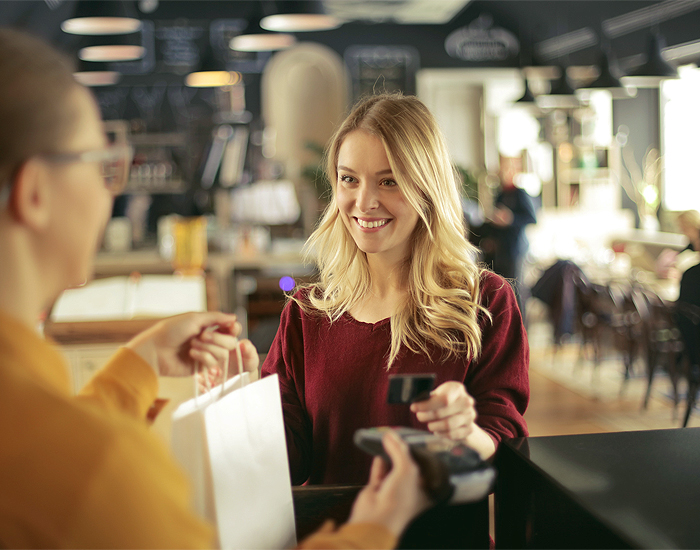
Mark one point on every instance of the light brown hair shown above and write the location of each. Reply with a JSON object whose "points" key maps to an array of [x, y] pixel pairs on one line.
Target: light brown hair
{"points": [[36, 82], [443, 278]]}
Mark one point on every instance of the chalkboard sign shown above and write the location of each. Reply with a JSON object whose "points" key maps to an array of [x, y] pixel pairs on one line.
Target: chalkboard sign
{"points": [[221, 31], [161, 107], [481, 41], [382, 68], [181, 45]]}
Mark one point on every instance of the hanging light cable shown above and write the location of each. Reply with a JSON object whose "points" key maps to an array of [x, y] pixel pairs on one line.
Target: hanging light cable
{"points": [[656, 69], [608, 79]]}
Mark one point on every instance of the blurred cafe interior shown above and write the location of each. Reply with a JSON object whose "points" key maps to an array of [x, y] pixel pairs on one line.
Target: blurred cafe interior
{"points": [[589, 107]]}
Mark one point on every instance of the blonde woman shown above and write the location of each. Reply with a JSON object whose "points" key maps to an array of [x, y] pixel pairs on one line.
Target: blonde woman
{"points": [[399, 293]]}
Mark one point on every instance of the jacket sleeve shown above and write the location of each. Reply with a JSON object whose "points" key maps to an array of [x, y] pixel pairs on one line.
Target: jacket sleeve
{"points": [[353, 535], [524, 214], [136, 497], [499, 379], [126, 384], [286, 359]]}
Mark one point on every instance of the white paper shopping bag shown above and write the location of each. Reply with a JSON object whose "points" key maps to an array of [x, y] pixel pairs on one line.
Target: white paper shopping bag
{"points": [[232, 444], [250, 468]]}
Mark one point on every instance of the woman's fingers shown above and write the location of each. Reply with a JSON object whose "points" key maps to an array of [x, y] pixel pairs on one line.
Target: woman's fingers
{"points": [[249, 356], [377, 473], [455, 427], [461, 404], [450, 411], [447, 399], [224, 336], [396, 448], [208, 355], [190, 325]]}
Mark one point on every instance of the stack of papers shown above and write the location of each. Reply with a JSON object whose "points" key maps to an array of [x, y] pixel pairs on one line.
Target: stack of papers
{"points": [[119, 298]]}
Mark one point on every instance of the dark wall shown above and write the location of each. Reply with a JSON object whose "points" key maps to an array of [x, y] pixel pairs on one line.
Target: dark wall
{"points": [[179, 108]]}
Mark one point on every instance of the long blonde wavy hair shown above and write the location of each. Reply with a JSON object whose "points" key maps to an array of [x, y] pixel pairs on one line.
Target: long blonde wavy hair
{"points": [[442, 305]]}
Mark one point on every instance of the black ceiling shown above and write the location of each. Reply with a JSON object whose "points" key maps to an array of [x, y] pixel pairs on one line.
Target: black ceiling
{"points": [[532, 21]]}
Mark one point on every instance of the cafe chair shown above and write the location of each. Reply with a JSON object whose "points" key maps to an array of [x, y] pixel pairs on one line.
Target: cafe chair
{"points": [[630, 323], [688, 319], [614, 319], [664, 344], [556, 288], [595, 309]]}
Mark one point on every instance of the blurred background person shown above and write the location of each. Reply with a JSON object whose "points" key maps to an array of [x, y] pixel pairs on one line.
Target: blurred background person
{"points": [[503, 241]]}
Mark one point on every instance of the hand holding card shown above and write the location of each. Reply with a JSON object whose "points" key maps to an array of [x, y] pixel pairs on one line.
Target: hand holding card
{"points": [[409, 388]]}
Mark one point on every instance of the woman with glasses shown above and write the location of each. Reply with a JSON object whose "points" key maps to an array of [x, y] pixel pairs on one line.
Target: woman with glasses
{"points": [[84, 471]]}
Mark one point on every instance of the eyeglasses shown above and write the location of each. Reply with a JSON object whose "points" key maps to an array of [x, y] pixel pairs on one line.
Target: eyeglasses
{"points": [[115, 166]]}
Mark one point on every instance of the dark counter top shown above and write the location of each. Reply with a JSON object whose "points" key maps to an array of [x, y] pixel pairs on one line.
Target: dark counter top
{"points": [[640, 488]]}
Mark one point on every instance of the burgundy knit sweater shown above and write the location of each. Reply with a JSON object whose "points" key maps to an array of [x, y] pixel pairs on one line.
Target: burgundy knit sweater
{"points": [[333, 380]]}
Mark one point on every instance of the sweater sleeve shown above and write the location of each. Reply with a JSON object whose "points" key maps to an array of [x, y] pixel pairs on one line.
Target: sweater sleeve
{"points": [[286, 359], [352, 535], [499, 380], [126, 384]]}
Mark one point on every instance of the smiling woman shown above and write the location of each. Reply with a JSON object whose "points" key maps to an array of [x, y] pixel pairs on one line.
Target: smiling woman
{"points": [[372, 207], [400, 293]]}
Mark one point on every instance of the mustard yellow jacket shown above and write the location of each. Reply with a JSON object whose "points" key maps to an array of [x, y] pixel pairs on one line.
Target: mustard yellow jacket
{"points": [[84, 471]]}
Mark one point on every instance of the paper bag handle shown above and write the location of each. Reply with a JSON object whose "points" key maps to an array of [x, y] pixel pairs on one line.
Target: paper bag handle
{"points": [[198, 368]]}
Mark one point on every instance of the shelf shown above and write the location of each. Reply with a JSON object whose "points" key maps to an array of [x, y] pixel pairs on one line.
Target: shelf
{"points": [[148, 188], [576, 175], [173, 139]]}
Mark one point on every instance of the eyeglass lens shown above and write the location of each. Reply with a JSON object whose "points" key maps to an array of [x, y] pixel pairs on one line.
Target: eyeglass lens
{"points": [[115, 173]]}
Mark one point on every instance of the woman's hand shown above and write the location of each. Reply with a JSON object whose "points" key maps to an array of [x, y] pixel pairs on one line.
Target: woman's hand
{"points": [[392, 498], [174, 346], [451, 412], [210, 344]]}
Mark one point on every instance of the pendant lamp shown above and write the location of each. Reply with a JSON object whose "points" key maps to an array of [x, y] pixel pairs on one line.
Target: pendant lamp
{"points": [[96, 74], [212, 75], [527, 97], [111, 53], [608, 79], [262, 42], [111, 48], [300, 16], [257, 39], [655, 70], [561, 95], [101, 18], [212, 79]]}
